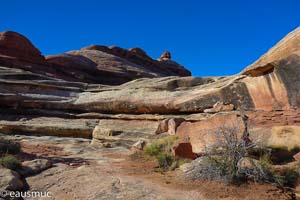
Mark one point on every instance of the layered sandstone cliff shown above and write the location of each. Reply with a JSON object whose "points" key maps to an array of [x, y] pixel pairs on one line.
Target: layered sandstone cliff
{"points": [[61, 95]]}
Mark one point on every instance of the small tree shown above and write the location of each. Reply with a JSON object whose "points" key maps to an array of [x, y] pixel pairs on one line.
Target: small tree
{"points": [[230, 144]]}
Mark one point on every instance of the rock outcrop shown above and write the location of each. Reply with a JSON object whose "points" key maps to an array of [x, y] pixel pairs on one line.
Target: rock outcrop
{"points": [[166, 55], [68, 102], [93, 64], [10, 180], [113, 65], [36, 166], [284, 48], [15, 45]]}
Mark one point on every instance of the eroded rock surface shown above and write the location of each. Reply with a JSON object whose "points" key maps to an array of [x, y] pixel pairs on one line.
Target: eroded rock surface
{"points": [[118, 97], [10, 180]]}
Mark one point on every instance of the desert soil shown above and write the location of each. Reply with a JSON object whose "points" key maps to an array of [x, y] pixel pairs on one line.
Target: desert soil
{"points": [[90, 172]]}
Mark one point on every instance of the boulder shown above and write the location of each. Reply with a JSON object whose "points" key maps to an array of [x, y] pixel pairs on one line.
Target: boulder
{"points": [[139, 145], [166, 55], [247, 164], [297, 156], [123, 132], [10, 180], [203, 134], [173, 123], [186, 167], [285, 136], [162, 126], [15, 45], [169, 125], [36, 166]]}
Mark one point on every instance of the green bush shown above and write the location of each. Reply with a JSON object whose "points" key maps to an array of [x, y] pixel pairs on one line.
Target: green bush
{"points": [[153, 149], [161, 149], [161, 145], [10, 162], [8, 146], [165, 160]]}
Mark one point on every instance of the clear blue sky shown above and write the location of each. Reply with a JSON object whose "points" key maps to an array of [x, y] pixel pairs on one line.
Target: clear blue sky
{"points": [[212, 37]]}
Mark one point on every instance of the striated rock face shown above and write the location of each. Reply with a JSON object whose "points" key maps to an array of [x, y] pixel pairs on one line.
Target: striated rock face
{"points": [[94, 64], [68, 102], [113, 65]]}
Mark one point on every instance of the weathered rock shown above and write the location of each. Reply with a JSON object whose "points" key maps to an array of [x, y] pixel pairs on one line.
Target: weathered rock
{"points": [[186, 167], [285, 136], [202, 134], [247, 164], [15, 45], [46, 88], [162, 126], [139, 145], [169, 125], [159, 95], [94, 64], [297, 192], [184, 150], [297, 156], [10, 180], [173, 123], [219, 107], [49, 126], [36, 166], [284, 48], [123, 132], [112, 65], [162, 95], [166, 55]]}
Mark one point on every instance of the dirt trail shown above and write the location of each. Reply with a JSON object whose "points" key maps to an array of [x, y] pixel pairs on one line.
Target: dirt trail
{"points": [[86, 172]]}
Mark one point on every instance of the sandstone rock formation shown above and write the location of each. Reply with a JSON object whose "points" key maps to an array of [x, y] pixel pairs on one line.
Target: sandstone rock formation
{"points": [[113, 65], [10, 180], [166, 55], [36, 166], [284, 48], [15, 45], [59, 96], [93, 64]]}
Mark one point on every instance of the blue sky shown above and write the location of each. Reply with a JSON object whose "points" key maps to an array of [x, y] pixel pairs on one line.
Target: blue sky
{"points": [[209, 37]]}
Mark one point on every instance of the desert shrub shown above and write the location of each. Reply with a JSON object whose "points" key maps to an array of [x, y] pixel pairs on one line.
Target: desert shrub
{"points": [[164, 144], [206, 168], [233, 157], [165, 160], [161, 149], [263, 171], [153, 149], [8, 146], [228, 148], [10, 162]]}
